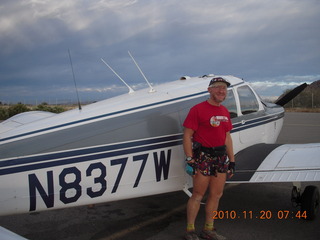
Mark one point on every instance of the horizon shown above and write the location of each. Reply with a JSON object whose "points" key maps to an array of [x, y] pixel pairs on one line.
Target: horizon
{"points": [[264, 89]]}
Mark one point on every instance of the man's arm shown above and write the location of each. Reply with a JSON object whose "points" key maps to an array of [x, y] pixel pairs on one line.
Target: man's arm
{"points": [[230, 154], [187, 142], [229, 145]]}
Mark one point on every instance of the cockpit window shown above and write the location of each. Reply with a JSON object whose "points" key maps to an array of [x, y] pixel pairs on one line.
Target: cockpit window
{"points": [[248, 101], [230, 104]]}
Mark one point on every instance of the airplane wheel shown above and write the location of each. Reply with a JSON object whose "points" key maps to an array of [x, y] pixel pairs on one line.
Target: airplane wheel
{"points": [[310, 201]]}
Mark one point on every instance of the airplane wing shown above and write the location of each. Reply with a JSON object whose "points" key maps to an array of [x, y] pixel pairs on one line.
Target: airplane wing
{"points": [[263, 163], [23, 118], [5, 234]]}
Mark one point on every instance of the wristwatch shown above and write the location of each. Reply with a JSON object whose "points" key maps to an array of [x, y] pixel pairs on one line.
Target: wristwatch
{"points": [[189, 159]]}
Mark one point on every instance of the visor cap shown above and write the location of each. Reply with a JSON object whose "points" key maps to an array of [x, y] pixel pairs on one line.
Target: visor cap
{"points": [[218, 80]]}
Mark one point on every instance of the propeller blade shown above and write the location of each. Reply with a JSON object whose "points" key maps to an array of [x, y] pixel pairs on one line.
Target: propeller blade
{"points": [[290, 95]]}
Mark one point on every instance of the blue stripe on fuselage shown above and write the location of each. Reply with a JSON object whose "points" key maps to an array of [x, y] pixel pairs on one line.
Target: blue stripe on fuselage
{"points": [[28, 163], [256, 122], [83, 155]]}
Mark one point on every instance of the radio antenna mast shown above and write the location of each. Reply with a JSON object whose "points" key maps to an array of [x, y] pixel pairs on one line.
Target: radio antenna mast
{"points": [[74, 80], [130, 89], [151, 88]]}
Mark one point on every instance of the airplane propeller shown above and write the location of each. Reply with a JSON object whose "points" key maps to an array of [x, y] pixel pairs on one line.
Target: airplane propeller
{"points": [[290, 95]]}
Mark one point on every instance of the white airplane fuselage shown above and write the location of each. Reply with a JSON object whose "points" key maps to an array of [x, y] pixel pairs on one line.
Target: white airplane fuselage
{"points": [[124, 147]]}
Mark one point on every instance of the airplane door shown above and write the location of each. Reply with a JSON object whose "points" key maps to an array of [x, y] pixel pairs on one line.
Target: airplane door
{"points": [[251, 131], [231, 104]]}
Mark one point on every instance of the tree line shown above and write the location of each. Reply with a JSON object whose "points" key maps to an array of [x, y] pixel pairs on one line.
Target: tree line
{"points": [[7, 111]]}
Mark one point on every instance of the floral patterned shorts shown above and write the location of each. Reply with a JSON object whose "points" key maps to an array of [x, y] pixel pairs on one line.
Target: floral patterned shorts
{"points": [[210, 165]]}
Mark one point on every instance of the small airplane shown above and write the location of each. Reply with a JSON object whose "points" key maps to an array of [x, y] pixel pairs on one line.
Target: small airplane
{"points": [[130, 146]]}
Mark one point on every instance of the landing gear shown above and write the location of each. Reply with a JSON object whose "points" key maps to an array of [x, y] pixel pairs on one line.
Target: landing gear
{"points": [[308, 201], [295, 195]]}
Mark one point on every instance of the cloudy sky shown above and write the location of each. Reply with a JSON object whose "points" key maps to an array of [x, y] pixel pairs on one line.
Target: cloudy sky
{"points": [[273, 44]]}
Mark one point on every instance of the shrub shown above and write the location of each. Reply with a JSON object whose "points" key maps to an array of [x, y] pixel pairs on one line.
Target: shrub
{"points": [[16, 109], [47, 108], [4, 114]]}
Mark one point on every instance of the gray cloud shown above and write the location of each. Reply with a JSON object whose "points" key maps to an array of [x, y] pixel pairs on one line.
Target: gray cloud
{"points": [[259, 41]]}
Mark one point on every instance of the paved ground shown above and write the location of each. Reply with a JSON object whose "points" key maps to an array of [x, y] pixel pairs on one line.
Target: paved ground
{"points": [[163, 216]]}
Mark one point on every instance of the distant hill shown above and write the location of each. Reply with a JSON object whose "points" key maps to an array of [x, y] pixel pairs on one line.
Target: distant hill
{"points": [[315, 85]]}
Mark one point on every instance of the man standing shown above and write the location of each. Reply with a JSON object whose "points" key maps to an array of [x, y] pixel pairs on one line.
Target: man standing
{"points": [[208, 146]]}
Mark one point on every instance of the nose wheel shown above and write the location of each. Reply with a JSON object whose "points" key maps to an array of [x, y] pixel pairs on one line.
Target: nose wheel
{"points": [[308, 200]]}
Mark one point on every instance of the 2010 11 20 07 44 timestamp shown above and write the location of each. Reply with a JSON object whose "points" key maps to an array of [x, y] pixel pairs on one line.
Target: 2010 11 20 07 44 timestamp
{"points": [[260, 215]]}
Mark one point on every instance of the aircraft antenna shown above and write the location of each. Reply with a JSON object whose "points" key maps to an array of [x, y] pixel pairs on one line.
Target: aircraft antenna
{"points": [[74, 80], [151, 88], [130, 89]]}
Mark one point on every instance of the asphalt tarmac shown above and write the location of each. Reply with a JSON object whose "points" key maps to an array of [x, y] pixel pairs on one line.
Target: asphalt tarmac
{"points": [[248, 211]]}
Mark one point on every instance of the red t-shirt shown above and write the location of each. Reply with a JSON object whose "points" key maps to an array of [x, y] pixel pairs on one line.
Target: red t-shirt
{"points": [[210, 123]]}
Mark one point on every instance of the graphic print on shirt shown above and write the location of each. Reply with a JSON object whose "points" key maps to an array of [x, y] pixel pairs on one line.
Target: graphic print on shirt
{"points": [[216, 120]]}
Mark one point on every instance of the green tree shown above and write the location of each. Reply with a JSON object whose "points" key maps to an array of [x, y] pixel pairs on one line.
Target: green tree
{"points": [[3, 113], [17, 108]]}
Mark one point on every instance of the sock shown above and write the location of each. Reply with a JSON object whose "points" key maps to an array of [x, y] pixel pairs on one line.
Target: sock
{"points": [[190, 227], [208, 226]]}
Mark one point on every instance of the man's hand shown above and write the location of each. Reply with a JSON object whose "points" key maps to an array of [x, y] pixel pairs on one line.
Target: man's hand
{"points": [[231, 169]]}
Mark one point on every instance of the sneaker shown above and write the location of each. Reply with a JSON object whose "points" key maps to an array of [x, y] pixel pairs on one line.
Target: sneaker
{"points": [[211, 235], [191, 236]]}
